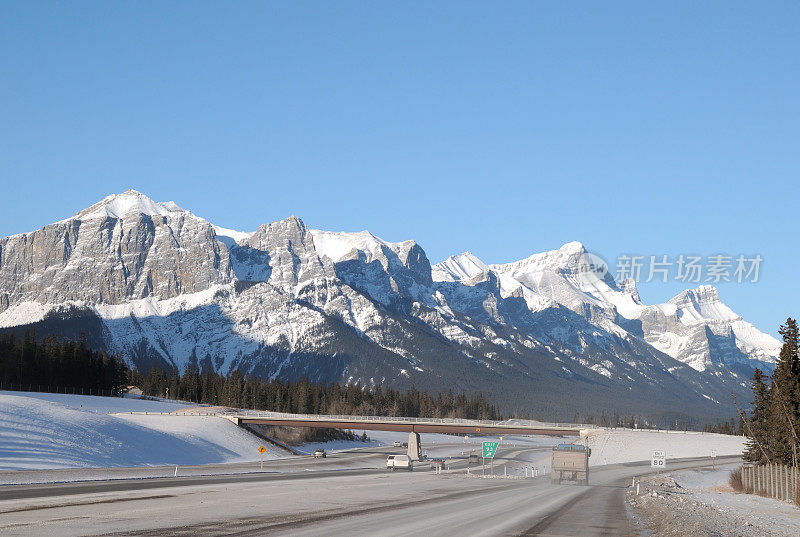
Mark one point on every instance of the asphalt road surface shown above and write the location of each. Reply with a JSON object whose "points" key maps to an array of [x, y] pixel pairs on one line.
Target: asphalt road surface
{"points": [[346, 494]]}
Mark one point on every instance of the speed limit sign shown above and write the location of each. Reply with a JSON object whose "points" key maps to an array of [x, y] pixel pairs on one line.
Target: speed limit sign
{"points": [[658, 460]]}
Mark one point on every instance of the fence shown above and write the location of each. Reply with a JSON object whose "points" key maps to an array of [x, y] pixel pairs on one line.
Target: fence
{"points": [[774, 480], [44, 388]]}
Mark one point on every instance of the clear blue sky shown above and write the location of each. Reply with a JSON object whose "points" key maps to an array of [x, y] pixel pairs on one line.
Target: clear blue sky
{"points": [[636, 127]]}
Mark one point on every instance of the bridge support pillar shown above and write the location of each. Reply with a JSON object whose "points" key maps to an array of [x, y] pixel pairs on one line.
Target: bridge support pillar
{"points": [[414, 446]]}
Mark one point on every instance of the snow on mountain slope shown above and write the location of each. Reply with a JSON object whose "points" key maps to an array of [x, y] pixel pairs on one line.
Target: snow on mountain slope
{"points": [[695, 327], [459, 267], [130, 201], [159, 284], [125, 247], [573, 277], [230, 237], [698, 329], [337, 245]]}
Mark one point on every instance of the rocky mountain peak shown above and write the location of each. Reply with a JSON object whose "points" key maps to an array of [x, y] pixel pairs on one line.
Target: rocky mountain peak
{"points": [[287, 300], [704, 294], [459, 267], [568, 258], [127, 203], [628, 285]]}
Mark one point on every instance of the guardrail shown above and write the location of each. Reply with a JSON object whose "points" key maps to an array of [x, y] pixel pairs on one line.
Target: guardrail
{"points": [[403, 419]]}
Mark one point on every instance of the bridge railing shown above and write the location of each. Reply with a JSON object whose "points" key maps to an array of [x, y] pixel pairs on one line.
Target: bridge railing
{"points": [[401, 419]]}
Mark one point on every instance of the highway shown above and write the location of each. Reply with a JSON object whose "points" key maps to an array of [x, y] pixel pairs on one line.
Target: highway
{"points": [[346, 494]]}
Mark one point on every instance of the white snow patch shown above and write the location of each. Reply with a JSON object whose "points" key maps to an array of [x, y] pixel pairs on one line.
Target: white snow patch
{"points": [[130, 201], [39, 434], [231, 237], [612, 446]]}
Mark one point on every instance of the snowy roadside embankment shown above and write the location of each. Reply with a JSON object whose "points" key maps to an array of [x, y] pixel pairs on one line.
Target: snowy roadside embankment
{"points": [[612, 446], [46, 431], [700, 502]]}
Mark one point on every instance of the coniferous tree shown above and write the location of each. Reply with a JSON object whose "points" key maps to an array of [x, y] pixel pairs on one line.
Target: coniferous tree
{"points": [[785, 397], [759, 445]]}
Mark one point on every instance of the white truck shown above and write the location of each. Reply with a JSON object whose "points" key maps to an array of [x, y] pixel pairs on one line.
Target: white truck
{"points": [[403, 462]]}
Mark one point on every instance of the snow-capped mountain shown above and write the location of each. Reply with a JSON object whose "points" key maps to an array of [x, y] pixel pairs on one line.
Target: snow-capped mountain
{"points": [[552, 333], [694, 327]]}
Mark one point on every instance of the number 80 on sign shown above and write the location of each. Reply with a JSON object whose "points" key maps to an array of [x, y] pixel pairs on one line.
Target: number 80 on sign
{"points": [[658, 460]]}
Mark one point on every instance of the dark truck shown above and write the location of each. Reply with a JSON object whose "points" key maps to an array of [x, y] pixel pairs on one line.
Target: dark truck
{"points": [[570, 462]]}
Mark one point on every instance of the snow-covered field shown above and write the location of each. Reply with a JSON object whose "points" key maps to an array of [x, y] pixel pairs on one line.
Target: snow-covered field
{"points": [[104, 405], [44, 431], [611, 446]]}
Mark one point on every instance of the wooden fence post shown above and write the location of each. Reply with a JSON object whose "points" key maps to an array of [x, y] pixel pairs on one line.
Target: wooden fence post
{"points": [[784, 483], [757, 471], [771, 480], [787, 493], [768, 470]]}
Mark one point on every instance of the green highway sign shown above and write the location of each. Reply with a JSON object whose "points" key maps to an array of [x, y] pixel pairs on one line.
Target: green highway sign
{"points": [[489, 449]]}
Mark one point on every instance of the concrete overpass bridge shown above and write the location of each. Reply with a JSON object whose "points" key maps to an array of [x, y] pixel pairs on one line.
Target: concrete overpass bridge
{"points": [[404, 424]]}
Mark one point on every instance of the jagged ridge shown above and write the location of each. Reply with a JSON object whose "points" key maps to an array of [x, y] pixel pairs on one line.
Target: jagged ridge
{"points": [[158, 283]]}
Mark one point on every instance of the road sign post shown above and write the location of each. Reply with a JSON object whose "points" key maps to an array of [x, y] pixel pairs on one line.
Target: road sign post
{"points": [[713, 458], [489, 449], [261, 450], [658, 460]]}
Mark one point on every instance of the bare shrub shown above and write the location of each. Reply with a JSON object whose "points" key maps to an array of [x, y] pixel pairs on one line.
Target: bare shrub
{"points": [[735, 480]]}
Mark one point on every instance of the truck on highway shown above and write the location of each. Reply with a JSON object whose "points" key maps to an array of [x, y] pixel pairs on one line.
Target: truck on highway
{"points": [[403, 462], [570, 462]]}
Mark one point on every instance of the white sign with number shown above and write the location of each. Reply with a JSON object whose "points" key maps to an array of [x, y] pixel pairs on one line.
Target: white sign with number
{"points": [[713, 453], [658, 460]]}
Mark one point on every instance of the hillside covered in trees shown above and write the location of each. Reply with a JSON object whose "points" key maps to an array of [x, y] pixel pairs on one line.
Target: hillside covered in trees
{"points": [[304, 397], [54, 364]]}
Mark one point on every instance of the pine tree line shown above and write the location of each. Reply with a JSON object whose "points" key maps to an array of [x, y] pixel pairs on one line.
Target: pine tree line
{"points": [[731, 427], [774, 421], [614, 420], [53, 363], [305, 397]]}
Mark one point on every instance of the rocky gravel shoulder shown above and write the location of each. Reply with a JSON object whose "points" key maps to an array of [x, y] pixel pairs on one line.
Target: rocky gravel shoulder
{"points": [[665, 508]]}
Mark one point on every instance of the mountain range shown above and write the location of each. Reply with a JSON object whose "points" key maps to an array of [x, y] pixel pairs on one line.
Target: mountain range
{"points": [[551, 335]]}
